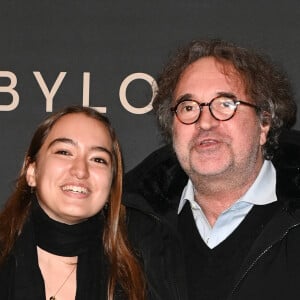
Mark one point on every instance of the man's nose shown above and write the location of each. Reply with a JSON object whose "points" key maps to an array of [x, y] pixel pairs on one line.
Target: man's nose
{"points": [[206, 121]]}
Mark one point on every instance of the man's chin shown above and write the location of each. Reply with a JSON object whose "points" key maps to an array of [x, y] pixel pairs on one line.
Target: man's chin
{"points": [[208, 170]]}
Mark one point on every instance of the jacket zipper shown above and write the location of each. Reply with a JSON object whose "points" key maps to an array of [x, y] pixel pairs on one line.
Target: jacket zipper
{"points": [[259, 257]]}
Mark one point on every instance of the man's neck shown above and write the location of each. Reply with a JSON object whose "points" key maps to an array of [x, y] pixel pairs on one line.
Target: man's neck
{"points": [[215, 195]]}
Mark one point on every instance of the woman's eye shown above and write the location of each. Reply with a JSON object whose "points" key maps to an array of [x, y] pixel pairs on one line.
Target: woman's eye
{"points": [[62, 152], [100, 160]]}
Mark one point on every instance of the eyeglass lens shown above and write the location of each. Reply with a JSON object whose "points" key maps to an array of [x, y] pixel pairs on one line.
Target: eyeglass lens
{"points": [[221, 108]]}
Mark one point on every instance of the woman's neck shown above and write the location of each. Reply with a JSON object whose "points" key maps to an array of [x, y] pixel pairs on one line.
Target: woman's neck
{"points": [[59, 274]]}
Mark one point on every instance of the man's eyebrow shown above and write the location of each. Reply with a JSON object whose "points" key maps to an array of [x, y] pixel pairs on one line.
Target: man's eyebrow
{"points": [[191, 97], [184, 97], [227, 94], [71, 142]]}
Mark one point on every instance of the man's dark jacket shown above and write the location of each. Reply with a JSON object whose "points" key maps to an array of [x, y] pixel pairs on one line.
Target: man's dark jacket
{"points": [[272, 268]]}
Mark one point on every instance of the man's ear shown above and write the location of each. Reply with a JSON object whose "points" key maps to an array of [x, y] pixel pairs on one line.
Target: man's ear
{"points": [[265, 127], [30, 175]]}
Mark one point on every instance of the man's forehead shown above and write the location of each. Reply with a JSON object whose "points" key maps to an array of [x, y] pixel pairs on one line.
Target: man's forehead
{"points": [[209, 69]]}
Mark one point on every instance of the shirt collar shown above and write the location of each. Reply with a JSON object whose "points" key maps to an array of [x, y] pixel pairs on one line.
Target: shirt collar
{"points": [[261, 192]]}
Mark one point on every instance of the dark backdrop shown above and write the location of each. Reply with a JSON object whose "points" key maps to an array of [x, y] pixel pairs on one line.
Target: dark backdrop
{"points": [[60, 52]]}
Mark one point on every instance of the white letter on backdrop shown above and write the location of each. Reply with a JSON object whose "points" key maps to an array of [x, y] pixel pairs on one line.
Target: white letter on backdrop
{"points": [[86, 93], [9, 89], [123, 88], [49, 95]]}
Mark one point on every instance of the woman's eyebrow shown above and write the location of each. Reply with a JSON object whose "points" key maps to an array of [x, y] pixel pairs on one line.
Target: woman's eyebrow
{"points": [[102, 149], [73, 143], [62, 140]]}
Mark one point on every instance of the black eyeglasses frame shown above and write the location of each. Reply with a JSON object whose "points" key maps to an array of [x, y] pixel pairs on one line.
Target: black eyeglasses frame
{"points": [[201, 105]]}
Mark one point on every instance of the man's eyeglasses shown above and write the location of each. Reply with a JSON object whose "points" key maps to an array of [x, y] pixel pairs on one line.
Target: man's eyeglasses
{"points": [[221, 108]]}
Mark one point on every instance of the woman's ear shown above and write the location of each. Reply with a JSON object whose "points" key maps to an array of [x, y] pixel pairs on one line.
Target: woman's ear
{"points": [[30, 175]]}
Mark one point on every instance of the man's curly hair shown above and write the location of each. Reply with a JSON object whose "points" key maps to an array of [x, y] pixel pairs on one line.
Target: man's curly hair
{"points": [[265, 84]]}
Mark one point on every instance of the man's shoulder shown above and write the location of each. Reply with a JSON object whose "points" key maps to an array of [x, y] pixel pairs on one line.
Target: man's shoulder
{"points": [[287, 164], [158, 158], [158, 179], [288, 154], [156, 167]]}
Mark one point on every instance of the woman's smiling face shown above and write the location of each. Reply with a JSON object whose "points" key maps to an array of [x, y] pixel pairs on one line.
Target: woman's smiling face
{"points": [[73, 173]]}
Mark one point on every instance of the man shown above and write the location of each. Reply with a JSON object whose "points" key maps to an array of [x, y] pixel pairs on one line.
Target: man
{"points": [[232, 215]]}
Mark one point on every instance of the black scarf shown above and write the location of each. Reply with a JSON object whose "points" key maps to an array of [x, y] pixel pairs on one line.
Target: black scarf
{"points": [[83, 240]]}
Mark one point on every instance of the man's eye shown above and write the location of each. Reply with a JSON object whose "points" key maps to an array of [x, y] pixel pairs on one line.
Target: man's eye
{"points": [[188, 108], [228, 105]]}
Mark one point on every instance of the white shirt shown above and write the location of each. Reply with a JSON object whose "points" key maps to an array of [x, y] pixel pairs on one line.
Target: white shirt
{"points": [[261, 192]]}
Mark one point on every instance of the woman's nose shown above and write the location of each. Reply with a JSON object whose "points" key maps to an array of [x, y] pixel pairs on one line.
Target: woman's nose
{"points": [[80, 168]]}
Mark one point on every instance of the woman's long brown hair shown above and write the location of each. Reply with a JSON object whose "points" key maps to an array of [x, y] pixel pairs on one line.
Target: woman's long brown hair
{"points": [[124, 267]]}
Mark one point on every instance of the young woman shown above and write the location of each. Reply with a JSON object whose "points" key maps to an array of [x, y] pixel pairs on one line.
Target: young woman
{"points": [[62, 231]]}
